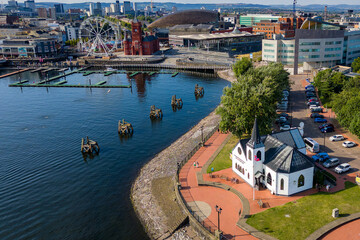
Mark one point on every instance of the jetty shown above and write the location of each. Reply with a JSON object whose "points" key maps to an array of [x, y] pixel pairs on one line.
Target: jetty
{"points": [[125, 128], [90, 146], [38, 70], [14, 73], [174, 74]]}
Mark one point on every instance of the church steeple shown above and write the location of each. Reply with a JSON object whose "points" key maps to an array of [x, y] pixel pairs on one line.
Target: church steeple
{"points": [[255, 140]]}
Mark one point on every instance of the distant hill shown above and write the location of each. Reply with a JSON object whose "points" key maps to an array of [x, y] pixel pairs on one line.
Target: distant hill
{"points": [[183, 6]]}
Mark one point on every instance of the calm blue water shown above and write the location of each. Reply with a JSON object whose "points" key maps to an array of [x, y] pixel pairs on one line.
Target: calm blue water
{"points": [[47, 189]]}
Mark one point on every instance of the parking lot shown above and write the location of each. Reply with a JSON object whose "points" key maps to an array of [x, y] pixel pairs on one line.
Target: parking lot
{"points": [[300, 113]]}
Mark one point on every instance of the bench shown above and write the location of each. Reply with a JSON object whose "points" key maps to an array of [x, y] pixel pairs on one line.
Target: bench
{"points": [[260, 203]]}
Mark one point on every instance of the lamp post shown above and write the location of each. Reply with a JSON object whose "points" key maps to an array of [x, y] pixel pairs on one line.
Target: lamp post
{"points": [[218, 210]]}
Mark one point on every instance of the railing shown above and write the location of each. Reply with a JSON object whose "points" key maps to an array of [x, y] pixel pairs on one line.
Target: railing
{"points": [[210, 227]]}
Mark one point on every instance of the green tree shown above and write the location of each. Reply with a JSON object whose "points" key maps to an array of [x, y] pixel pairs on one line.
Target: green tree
{"points": [[242, 66], [356, 65], [255, 94]]}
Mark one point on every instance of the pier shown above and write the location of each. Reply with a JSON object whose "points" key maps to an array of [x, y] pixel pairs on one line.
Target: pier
{"points": [[61, 84], [14, 73]]}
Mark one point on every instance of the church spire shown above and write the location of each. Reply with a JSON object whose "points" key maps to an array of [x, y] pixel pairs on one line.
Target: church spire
{"points": [[255, 140]]}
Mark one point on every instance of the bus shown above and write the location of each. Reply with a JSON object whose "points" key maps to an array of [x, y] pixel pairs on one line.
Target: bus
{"points": [[312, 145]]}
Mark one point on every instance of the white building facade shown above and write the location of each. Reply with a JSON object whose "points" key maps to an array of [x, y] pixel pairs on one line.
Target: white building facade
{"points": [[269, 162]]}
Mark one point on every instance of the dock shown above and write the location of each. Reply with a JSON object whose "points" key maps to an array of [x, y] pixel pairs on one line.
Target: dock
{"points": [[37, 70], [151, 73], [48, 70], [174, 74], [13, 73], [60, 83], [108, 73], [134, 74], [70, 86], [100, 83]]}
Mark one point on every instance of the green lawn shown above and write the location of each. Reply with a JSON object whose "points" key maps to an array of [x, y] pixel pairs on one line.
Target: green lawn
{"points": [[306, 214], [222, 160]]}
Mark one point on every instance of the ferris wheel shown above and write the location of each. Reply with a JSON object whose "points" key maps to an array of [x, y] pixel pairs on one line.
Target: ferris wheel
{"points": [[98, 36]]}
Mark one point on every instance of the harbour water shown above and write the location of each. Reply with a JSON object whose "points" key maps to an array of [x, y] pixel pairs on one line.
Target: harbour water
{"points": [[48, 190]]}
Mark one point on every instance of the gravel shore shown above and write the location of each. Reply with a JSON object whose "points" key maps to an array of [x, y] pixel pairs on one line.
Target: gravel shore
{"points": [[164, 164]]}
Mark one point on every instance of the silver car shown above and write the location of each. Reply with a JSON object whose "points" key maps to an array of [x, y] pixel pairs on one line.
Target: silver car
{"points": [[332, 162]]}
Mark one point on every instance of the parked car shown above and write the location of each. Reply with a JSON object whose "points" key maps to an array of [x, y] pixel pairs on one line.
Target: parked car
{"points": [[284, 115], [320, 120], [316, 115], [344, 167], [326, 125], [309, 86], [285, 123], [280, 120], [336, 138], [332, 162], [327, 129], [285, 128], [348, 144], [313, 99], [314, 106], [310, 91], [318, 109], [313, 103], [322, 156]]}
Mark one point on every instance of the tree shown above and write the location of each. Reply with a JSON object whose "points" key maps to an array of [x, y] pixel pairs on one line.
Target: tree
{"points": [[356, 65], [255, 94], [241, 66]]}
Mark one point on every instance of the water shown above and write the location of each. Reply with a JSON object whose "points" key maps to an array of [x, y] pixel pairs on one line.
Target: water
{"points": [[47, 189]]}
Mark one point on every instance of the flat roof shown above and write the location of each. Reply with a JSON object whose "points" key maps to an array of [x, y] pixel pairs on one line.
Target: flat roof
{"points": [[219, 35]]}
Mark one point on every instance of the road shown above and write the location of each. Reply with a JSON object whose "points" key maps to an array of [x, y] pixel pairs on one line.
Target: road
{"points": [[300, 113]]}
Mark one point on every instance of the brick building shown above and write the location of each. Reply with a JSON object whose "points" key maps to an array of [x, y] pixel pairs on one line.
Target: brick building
{"points": [[140, 44], [284, 26]]}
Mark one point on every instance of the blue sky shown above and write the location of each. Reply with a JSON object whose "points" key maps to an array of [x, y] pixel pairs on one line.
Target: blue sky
{"points": [[265, 2]]}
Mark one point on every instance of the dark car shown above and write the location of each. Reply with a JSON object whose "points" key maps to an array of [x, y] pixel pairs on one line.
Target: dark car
{"points": [[316, 115], [316, 110], [320, 120], [327, 129], [313, 103], [326, 125], [285, 123], [284, 115], [308, 96]]}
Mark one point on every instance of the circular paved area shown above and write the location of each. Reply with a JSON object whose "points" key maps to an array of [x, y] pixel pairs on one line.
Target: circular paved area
{"points": [[349, 231], [203, 208]]}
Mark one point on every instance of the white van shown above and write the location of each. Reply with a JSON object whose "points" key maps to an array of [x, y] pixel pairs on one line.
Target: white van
{"points": [[312, 145]]}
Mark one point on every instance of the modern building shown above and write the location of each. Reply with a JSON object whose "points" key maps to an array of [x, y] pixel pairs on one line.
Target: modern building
{"points": [[251, 19], [52, 13], [95, 9], [59, 8], [71, 32], [126, 8], [233, 43], [277, 162], [317, 44], [284, 26], [232, 19], [30, 4], [139, 44], [37, 47]]}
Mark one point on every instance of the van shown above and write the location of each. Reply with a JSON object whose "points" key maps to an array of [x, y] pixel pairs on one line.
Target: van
{"points": [[311, 145]]}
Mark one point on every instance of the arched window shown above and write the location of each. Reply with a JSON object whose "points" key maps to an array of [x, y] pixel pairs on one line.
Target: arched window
{"points": [[301, 181], [248, 176], [236, 166], [282, 184], [239, 150], [269, 179], [258, 155], [249, 154]]}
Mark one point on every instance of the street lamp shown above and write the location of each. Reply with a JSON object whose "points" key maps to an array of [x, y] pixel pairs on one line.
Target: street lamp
{"points": [[218, 209]]}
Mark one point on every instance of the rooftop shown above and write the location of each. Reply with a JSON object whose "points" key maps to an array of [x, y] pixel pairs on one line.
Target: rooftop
{"points": [[219, 35]]}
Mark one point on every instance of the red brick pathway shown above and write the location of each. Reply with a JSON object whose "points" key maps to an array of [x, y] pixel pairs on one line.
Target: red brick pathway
{"points": [[349, 231]]}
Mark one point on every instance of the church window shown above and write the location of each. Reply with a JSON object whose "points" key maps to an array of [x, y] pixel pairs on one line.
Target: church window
{"points": [[258, 155], [236, 166], [282, 184], [301, 181], [269, 179], [249, 154], [239, 150]]}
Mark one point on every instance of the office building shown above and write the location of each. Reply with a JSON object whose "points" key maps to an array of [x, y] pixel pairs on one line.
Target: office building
{"points": [[59, 8], [252, 19], [42, 12], [37, 47], [52, 13], [30, 4], [127, 7]]}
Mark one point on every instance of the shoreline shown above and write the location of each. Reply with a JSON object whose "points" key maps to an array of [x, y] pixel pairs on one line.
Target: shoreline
{"points": [[164, 164]]}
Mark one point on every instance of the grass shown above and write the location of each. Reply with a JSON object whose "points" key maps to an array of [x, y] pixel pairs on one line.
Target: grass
{"points": [[222, 160], [306, 214]]}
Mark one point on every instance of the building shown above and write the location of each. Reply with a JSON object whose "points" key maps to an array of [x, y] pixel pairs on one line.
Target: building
{"points": [[52, 13], [126, 8], [37, 47], [30, 4], [117, 7], [231, 19], [233, 43], [42, 12], [59, 8], [13, 3], [71, 32], [276, 162], [251, 19], [8, 19], [140, 44], [92, 8], [272, 27], [316, 44], [11, 31], [113, 8]]}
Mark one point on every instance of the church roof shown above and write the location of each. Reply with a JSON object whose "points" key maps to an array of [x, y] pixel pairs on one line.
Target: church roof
{"points": [[255, 140], [292, 138], [281, 157], [149, 38]]}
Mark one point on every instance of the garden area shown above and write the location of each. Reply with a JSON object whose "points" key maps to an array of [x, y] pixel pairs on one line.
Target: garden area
{"points": [[300, 218]]}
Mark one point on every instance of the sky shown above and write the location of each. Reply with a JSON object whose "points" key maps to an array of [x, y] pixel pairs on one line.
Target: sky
{"points": [[264, 2]]}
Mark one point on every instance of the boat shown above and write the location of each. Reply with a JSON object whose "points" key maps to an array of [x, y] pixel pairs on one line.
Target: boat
{"points": [[110, 69]]}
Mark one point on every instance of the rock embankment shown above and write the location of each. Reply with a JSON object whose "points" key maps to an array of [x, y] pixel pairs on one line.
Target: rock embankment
{"points": [[163, 165]]}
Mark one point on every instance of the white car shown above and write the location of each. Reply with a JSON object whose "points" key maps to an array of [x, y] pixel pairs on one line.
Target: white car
{"points": [[344, 167], [285, 128], [336, 138], [313, 106], [348, 144]]}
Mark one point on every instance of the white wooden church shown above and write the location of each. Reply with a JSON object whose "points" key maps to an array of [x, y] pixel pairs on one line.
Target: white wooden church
{"points": [[276, 161]]}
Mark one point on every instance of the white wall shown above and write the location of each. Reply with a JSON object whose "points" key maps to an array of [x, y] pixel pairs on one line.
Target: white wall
{"points": [[284, 176], [244, 163], [293, 180], [273, 185]]}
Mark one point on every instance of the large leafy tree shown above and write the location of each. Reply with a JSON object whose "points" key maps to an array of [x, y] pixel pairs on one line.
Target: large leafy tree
{"points": [[356, 65], [242, 66], [255, 94]]}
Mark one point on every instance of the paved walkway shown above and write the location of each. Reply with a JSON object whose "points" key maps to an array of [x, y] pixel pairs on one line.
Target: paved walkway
{"points": [[349, 231]]}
